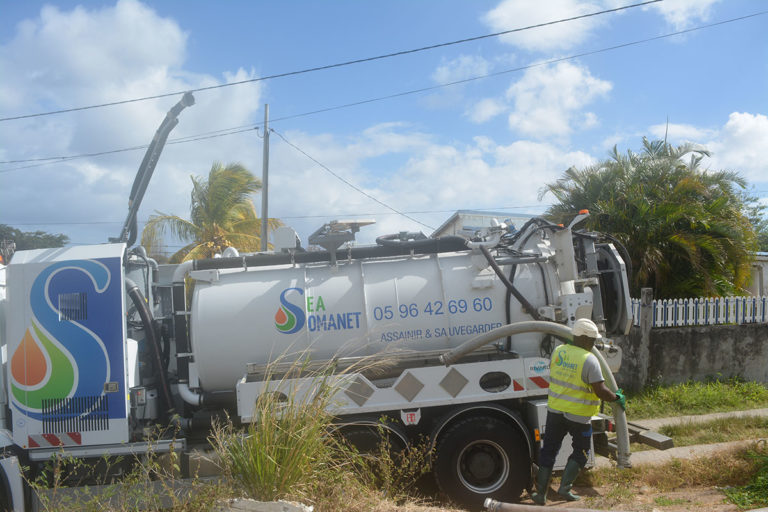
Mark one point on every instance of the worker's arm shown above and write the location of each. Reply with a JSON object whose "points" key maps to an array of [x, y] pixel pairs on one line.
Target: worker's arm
{"points": [[602, 391]]}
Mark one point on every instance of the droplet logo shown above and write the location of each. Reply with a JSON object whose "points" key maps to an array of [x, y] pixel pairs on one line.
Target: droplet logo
{"points": [[289, 318]]}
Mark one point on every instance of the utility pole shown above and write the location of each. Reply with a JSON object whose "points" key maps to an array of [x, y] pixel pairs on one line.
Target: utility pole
{"points": [[265, 182]]}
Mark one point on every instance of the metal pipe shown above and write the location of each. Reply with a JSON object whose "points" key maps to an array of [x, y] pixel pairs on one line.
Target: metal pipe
{"points": [[457, 353], [147, 167], [412, 248], [521, 260], [180, 328], [265, 184], [527, 306], [182, 270], [205, 398], [188, 395]]}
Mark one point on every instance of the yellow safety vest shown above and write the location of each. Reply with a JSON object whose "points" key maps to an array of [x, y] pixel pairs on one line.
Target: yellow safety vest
{"points": [[567, 392]]}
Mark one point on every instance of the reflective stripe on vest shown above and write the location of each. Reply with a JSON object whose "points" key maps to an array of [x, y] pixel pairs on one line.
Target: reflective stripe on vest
{"points": [[567, 392]]}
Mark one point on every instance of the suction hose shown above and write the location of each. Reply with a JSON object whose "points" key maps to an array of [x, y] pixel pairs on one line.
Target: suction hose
{"points": [[475, 343], [619, 416], [561, 331], [497, 506]]}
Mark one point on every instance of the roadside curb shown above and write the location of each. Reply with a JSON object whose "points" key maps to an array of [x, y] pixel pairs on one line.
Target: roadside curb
{"points": [[656, 423], [651, 457]]}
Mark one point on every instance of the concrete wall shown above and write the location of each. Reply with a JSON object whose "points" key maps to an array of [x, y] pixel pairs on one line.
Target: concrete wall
{"points": [[680, 354]]}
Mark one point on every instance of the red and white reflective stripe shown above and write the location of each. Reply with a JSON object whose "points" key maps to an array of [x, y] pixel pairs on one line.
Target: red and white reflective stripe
{"points": [[517, 386], [53, 440], [538, 382]]}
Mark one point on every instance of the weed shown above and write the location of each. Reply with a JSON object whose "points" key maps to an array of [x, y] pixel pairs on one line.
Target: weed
{"points": [[286, 447], [755, 493], [396, 471], [664, 501], [717, 431], [697, 398], [290, 451], [148, 482]]}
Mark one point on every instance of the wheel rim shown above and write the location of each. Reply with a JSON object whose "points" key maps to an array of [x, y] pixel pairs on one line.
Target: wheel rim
{"points": [[483, 466]]}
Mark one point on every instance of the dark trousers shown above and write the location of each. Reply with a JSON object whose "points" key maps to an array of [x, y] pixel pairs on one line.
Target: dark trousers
{"points": [[557, 427]]}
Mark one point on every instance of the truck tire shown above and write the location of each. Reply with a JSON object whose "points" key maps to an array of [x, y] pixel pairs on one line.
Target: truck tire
{"points": [[367, 438], [482, 457], [6, 502]]}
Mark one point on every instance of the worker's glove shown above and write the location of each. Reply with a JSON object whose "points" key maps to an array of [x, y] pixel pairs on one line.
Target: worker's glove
{"points": [[621, 399]]}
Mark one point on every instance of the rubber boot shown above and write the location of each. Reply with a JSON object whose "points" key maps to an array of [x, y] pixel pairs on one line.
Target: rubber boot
{"points": [[571, 471], [544, 475]]}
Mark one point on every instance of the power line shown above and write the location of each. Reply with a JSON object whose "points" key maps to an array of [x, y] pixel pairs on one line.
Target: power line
{"points": [[331, 66], [288, 217], [241, 129], [366, 194]]}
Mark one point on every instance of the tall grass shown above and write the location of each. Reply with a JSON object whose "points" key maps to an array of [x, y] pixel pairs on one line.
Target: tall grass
{"points": [[289, 450], [285, 448]]}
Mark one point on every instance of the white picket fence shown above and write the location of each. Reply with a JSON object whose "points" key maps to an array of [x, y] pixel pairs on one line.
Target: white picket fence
{"points": [[705, 311]]}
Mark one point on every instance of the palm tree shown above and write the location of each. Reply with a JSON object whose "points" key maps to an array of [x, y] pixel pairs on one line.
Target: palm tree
{"points": [[221, 215], [687, 231]]}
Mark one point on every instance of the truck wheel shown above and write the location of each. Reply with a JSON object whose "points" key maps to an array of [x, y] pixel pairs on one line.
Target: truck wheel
{"points": [[482, 457], [6, 503], [367, 439]]}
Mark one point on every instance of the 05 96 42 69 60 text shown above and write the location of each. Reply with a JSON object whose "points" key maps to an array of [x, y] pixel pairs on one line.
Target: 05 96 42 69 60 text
{"points": [[433, 308]]}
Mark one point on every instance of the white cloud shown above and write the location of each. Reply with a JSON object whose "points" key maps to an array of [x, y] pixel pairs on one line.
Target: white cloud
{"points": [[511, 14], [681, 132], [549, 100], [126, 48], [740, 146], [461, 68], [486, 109], [683, 14], [424, 176], [63, 59], [394, 162]]}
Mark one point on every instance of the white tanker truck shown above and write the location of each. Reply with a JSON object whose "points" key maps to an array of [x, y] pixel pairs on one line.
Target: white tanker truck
{"points": [[100, 342]]}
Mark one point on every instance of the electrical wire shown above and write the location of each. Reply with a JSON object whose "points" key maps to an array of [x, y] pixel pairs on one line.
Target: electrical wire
{"points": [[323, 216], [366, 194], [241, 129], [331, 66]]}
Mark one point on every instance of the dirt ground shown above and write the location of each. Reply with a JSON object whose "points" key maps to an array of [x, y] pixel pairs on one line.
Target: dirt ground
{"points": [[650, 500], [644, 499]]}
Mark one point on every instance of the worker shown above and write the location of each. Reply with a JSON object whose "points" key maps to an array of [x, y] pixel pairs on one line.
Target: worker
{"points": [[576, 386]]}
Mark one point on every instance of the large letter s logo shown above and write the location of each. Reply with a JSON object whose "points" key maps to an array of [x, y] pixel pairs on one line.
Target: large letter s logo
{"points": [[289, 318]]}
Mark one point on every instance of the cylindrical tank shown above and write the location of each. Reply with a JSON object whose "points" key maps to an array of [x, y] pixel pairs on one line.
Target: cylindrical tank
{"points": [[354, 308]]}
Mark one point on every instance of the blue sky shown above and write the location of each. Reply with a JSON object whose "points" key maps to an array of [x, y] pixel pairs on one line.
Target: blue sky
{"points": [[491, 143]]}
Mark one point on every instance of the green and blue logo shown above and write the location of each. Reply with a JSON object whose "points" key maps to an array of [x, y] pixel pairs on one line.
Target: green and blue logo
{"points": [[289, 318]]}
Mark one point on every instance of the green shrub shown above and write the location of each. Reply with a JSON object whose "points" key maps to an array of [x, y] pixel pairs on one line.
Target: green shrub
{"points": [[755, 493]]}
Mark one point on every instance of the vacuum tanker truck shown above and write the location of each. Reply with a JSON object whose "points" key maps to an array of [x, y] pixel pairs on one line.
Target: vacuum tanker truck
{"points": [[100, 342]]}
